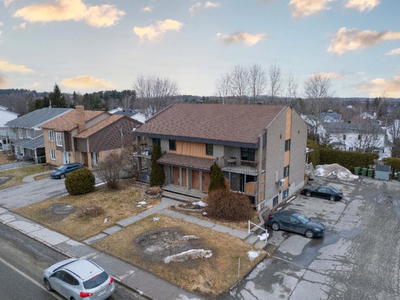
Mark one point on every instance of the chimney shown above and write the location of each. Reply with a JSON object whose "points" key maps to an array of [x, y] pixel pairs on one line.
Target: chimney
{"points": [[80, 117]]}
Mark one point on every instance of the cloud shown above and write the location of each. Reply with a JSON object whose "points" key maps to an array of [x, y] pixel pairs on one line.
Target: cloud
{"points": [[64, 10], [379, 86], [8, 2], [198, 7], [351, 39], [153, 31], [21, 26], [394, 52], [362, 5], [305, 8], [1, 24], [85, 82], [242, 37], [329, 75], [3, 81], [148, 8], [7, 67]]}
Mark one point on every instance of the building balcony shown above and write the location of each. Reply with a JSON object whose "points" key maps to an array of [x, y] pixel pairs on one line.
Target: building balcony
{"points": [[142, 151], [233, 165]]}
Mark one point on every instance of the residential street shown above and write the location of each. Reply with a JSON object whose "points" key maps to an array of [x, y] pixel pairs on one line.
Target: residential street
{"points": [[357, 259]]}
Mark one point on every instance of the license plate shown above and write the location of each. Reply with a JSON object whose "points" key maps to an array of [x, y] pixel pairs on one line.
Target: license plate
{"points": [[102, 292]]}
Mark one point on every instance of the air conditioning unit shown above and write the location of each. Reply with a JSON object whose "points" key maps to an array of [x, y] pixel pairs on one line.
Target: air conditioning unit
{"points": [[282, 182]]}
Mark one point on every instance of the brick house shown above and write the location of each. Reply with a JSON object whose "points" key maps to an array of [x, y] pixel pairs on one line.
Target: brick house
{"points": [[85, 136], [261, 149]]}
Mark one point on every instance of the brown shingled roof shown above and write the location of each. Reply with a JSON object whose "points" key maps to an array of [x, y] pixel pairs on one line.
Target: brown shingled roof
{"points": [[68, 121], [99, 126], [233, 123], [197, 163]]}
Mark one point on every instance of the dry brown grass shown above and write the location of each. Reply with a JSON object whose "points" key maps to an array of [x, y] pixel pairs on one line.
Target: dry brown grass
{"points": [[18, 174], [117, 205], [208, 276], [40, 177], [6, 159]]}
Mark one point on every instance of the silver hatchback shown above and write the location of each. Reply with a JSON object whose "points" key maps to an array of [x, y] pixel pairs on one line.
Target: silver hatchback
{"points": [[79, 278]]}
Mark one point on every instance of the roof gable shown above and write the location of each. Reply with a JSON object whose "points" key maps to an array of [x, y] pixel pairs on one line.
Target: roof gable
{"points": [[37, 117], [68, 121], [212, 122]]}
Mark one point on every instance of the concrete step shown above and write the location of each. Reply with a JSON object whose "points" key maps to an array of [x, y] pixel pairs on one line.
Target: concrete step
{"points": [[251, 239], [179, 197], [260, 244]]}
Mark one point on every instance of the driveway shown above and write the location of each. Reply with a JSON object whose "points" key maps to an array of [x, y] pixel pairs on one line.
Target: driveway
{"points": [[358, 258], [16, 164], [33, 192]]}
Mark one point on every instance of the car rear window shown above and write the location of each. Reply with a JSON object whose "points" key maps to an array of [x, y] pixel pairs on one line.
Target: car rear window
{"points": [[95, 281]]}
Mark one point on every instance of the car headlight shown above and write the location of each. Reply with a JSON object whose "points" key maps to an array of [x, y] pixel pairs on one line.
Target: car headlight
{"points": [[316, 229], [57, 173]]}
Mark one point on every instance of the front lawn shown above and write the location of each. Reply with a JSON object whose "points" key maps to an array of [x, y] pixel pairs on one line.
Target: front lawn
{"points": [[14, 177], [76, 216], [148, 242]]}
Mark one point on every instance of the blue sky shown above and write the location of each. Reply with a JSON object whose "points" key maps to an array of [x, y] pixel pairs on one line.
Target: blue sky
{"points": [[87, 45]]}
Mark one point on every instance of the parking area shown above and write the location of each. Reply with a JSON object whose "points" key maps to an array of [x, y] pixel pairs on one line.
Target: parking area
{"points": [[358, 258]]}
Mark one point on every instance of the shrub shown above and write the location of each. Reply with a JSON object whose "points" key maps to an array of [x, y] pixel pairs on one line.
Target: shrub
{"points": [[313, 157], [157, 176], [110, 169], [229, 206], [80, 182], [347, 159], [90, 212], [217, 180]]}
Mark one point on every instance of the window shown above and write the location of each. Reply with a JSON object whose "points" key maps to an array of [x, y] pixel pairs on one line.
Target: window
{"points": [[287, 145], [359, 136], [59, 139], [209, 149], [351, 149], [286, 171], [51, 137], [344, 136], [275, 201], [20, 134], [157, 142], [172, 145], [285, 193], [95, 158], [52, 154], [28, 133], [248, 154]]}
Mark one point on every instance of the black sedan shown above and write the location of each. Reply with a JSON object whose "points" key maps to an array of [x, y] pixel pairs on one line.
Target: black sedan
{"points": [[62, 171], [296, 222], [323, 191]]}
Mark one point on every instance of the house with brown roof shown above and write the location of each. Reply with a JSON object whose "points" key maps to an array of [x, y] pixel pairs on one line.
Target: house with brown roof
{"points": [[261, 149], [85, 136]]}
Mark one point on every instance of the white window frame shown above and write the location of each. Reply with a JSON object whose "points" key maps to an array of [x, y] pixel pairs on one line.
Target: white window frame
{"points": [[28, 133], [20, 135], [95, 158], [53, 154], [51, 136], [59, 141]]}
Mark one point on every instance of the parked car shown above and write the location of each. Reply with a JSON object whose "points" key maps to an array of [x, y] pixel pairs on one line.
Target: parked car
{"points": [[79, 278], [323, 191], [296, 222], [62, 171]]}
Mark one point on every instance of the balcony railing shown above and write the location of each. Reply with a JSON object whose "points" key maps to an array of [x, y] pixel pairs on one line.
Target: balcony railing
{"points": [[142, 151], [232, 164]]}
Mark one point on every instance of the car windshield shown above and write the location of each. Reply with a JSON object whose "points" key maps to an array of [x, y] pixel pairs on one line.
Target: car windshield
{"points": [[62, 168], [334, 190], [95, 281], [302, 218]]}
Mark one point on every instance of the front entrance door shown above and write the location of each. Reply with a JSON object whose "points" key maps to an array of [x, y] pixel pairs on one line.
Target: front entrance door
{"points": [[206, 181], [196, 179], [66, 158], [176, 176]]}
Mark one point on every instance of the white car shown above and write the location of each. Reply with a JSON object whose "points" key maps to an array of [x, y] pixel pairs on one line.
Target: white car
{"points": [[79, 278]]}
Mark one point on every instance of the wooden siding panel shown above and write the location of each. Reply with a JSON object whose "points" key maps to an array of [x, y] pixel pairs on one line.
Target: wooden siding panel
{"points": [[184, 181], [288, 123], [191, 149], [251, 188], [196, 179], [287, 158], [206, 181], [176, 176]]}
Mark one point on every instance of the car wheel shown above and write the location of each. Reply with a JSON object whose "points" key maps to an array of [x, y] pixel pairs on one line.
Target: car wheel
{"points": [[308, 194], [48, 285], [332, 198], [72, 298], [309, 233], [275, 226], [62, 176]]}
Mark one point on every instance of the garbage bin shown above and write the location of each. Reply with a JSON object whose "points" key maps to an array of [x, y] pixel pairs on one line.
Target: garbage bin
{"points": [[357, 170], [370, 172], [398, 175], [364, 171]]}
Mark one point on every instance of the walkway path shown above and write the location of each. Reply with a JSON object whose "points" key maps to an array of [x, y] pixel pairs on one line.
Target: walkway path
{"points": [[14, 165], [31, 178]]}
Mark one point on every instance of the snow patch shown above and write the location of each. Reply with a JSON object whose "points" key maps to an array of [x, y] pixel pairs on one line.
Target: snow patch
{"points": [[335, 171], [200, 203], [156, 219], [190, 254], [252, 254], [264, 236]]}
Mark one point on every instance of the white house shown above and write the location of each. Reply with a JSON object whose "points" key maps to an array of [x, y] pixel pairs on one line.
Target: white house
{"points": [[5, 116]]}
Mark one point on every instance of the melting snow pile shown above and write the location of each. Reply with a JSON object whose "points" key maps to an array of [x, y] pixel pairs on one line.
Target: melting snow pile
{"points": [[191, 254], [334, 171], [141, 203], [264, 236], [252, 254], [200, 203]]}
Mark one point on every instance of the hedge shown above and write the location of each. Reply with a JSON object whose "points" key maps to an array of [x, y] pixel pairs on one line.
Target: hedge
{"points": [[80, 182], [347, 159]]}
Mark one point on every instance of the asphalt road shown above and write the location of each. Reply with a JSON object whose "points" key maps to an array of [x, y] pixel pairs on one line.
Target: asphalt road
{"points": [[358, 258], [22, 262]]}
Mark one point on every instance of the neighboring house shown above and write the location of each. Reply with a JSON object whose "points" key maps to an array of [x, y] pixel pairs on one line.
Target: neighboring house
{"points": [[5, 116], [129, 112], [330, 117], [261, 149], [85, 136], [368, 137], [26, 136]]}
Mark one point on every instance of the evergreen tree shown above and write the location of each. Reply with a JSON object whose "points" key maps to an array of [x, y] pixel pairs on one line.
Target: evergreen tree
{"points": [[217, 179], [57, 99], [157, 176]]}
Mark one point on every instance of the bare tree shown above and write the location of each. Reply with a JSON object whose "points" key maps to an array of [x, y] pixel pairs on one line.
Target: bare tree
{"points": [[275, 80], [240, 82], [223, 86], [258, 81], [318, 87], [110, 169], [154, 93], [292, 86]]}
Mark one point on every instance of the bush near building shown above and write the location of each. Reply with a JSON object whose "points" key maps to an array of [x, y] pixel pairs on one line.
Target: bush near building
{"points": [[80, 182], [347, 159], [217, 180], [157, 176]]}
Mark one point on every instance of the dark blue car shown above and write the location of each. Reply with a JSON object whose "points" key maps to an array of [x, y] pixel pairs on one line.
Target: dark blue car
{"points": [[296, 222], [62, 171]]}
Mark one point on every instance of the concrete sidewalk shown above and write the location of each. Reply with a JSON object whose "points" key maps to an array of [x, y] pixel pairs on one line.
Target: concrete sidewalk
{"points": [[31, 178], [144, 283]]}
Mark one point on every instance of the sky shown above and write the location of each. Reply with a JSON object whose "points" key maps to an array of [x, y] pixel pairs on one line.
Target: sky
{"points": [[92, 45]]}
